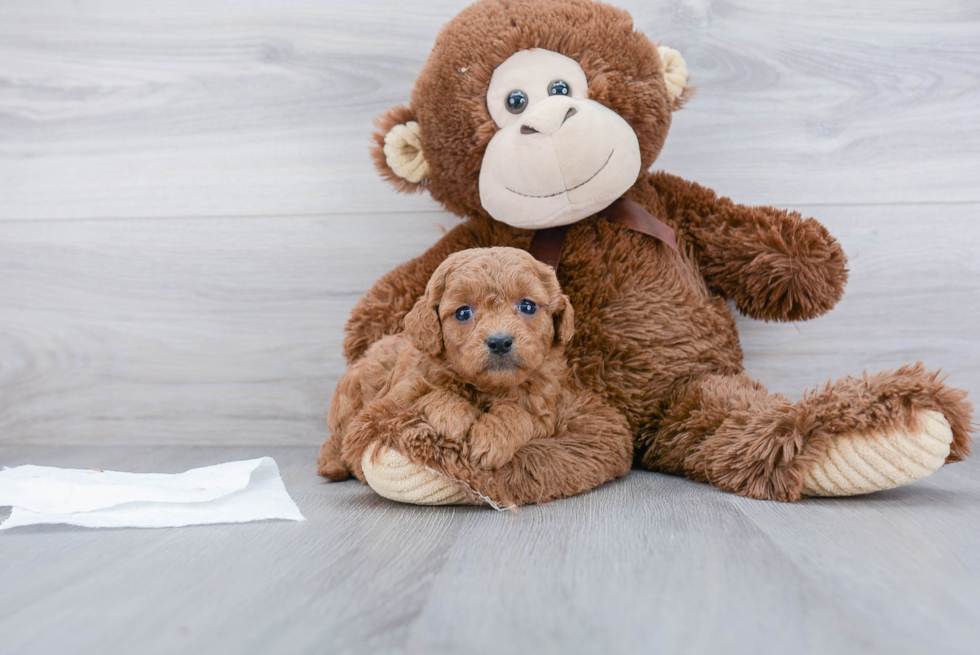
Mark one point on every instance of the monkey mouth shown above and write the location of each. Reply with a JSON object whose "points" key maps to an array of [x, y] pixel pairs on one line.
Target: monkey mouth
{"points": [[580, 184]]}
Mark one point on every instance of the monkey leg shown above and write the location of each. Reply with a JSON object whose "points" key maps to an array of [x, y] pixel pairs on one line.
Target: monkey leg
{"points": [[390, 447], [855, 436], [592, 444]]}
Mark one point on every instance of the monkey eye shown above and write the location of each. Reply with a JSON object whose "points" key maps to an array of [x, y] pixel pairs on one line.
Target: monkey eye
{"points": [[463, 314], [558, 88], [528, 307], [516, 102]]}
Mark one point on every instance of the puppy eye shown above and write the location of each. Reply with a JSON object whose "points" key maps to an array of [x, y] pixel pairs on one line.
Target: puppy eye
{"points": [[516, 102], [558, 88], [528, 307], [463, 314]]}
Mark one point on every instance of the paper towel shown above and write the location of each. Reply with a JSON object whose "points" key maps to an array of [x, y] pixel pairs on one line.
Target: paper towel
{"points": [[234, 492]]}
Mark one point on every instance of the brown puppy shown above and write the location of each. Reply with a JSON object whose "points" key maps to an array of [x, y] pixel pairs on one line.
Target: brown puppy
{"points": [[480, 366]]}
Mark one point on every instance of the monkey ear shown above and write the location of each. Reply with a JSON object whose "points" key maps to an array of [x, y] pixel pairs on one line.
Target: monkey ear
{"points": [[564, 319], [675, 76], [397, 149], [422, 324]]}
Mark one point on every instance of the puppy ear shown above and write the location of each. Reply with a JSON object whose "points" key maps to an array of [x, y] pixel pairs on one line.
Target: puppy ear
{"points": [[397, 150], [564, 318], [563, 315], [422, 324], [675, 76]]}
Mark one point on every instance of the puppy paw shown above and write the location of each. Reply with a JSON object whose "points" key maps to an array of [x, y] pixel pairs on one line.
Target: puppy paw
{"points": [[492, 459], [427, 444], [332, 470], [860, 463], [453, 426], [485, 450], [331, 465]]}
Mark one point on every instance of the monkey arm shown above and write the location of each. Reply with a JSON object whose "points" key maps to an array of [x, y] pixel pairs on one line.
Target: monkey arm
{"points": [[774, 264], [382, 309]]}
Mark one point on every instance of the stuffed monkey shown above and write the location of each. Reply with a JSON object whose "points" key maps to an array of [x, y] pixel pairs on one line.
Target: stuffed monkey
{"points": [[537, 122]]}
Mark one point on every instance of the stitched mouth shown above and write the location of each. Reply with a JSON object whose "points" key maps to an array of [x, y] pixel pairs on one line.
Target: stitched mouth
{"points": [[580, 184]]}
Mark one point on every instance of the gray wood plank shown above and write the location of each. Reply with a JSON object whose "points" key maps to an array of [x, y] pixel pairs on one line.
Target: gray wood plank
{"points": [[183, 331], [229, 330], [902, 569], [211, 108], [650, 562]]}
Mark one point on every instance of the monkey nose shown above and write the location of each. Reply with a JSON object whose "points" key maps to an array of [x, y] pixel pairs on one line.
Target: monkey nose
{"points": [[548, 117], [527, 129], [500, 344]]}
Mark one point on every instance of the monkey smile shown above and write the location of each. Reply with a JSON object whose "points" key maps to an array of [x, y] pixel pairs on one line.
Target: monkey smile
{"points": [[552, 195]]}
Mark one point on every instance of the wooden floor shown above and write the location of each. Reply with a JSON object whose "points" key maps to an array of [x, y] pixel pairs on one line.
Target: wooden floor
{"points": [[188, 213], [646, 564]]}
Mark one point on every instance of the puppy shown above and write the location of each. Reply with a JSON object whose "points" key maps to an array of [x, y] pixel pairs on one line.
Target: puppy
{"points": [[478, 370]]}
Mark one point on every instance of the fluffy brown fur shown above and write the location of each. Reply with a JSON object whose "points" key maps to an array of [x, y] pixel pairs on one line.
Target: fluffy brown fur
{"points": [[654, 341], [438, 388]]}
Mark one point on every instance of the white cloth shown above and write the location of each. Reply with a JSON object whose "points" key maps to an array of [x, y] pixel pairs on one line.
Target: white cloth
{"points": [[234, 492]]}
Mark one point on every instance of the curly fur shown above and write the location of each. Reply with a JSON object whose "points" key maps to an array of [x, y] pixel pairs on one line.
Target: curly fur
{"points": [[437, 388]]}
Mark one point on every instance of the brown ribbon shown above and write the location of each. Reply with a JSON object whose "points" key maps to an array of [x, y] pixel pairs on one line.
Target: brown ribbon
{"points": [[547, 244]]}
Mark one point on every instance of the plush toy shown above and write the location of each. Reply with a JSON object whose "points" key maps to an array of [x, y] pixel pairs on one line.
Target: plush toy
{"points": [[537, 122]]}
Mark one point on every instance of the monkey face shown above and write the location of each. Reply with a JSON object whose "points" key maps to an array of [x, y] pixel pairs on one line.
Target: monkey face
{"points": [[536, 113], [558, 156]]}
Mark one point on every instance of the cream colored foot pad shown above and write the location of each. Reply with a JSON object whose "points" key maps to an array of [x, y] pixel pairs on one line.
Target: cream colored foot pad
{"points": [[862, 463], [396, 478]]}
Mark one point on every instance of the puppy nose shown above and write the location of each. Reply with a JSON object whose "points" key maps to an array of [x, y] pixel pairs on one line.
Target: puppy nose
{"points": [[500, 344]]}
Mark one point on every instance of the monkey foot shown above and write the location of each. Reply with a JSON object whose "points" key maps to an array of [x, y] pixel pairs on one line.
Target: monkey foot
{"points": [[860, 463], [393, 476]]}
